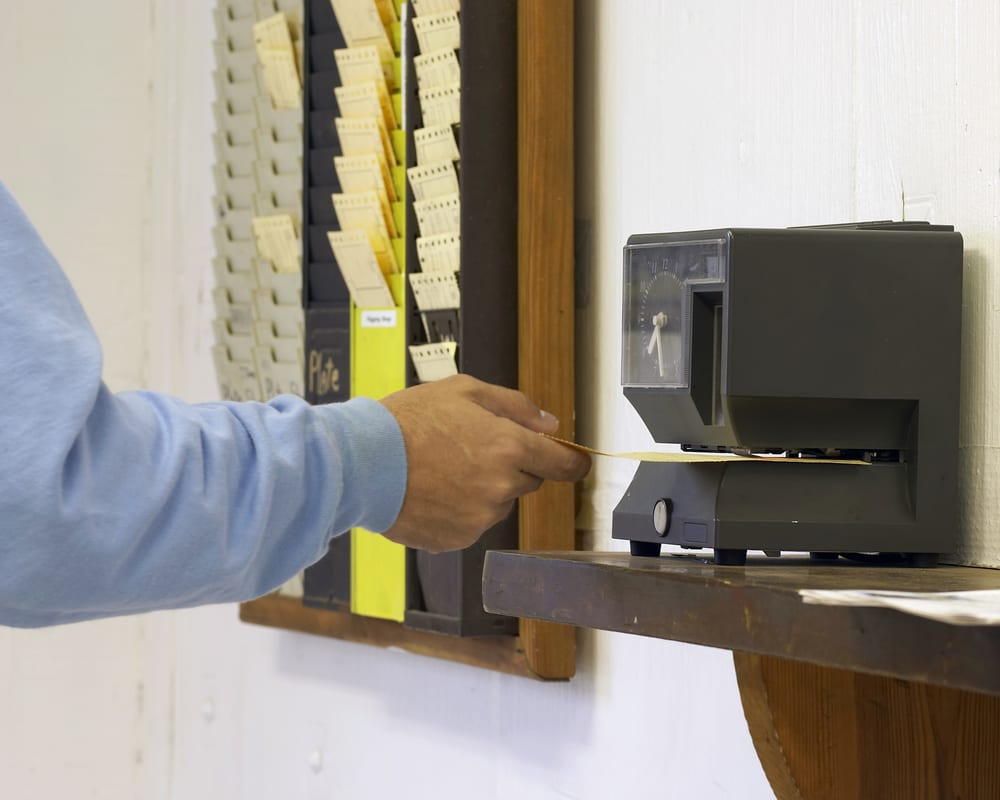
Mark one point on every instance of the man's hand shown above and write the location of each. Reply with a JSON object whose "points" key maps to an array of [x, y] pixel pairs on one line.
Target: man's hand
{"points": [[472, 449]]}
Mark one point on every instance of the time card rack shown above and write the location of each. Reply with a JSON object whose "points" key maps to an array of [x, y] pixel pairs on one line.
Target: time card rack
{"points": [[493, 83], [453, 286]]}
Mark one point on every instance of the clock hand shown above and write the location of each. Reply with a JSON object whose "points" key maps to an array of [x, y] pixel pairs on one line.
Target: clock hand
{"points": [[654, 341], [659, 352]]}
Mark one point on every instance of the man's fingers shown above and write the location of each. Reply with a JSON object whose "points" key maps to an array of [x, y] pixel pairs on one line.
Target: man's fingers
{"points": [[515, 406], [552, 461]]}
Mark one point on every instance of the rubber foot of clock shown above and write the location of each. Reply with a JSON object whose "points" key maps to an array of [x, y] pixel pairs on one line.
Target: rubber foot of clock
{"points": [[728, 557], [824, 556], [922, 559], [647, 549]]}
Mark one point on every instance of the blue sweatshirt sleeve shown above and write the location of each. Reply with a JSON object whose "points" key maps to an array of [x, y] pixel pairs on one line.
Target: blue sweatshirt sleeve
{"points": [[122, 503]]}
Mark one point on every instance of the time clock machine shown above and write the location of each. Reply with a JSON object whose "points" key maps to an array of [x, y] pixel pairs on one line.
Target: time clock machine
{"points": [[828, 343]]}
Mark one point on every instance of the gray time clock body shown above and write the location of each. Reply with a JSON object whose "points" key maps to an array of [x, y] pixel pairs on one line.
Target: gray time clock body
{"points": [[829, 343]]}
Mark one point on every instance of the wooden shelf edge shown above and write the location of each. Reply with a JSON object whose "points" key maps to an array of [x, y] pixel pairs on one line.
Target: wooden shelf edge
{"points": [[500, 653], [756, 609]]}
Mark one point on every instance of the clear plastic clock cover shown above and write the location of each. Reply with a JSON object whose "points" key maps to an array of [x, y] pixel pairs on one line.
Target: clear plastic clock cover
{"points": [[659, 280]]}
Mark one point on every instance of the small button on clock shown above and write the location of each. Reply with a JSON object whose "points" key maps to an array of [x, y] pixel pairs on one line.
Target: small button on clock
{"points": [[661, 516]]}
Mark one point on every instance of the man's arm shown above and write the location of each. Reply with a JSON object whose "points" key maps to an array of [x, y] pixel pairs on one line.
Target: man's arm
{"points": [[113, 504]]}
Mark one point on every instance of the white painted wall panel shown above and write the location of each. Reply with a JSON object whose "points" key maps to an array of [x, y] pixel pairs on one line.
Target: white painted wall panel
{"points": [[75, 115], [976, 136], [74, 148]]}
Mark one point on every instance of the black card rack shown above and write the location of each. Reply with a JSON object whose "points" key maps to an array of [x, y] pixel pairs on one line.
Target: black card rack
{"points": [[327, 303], [444, 591], [516, 253]]}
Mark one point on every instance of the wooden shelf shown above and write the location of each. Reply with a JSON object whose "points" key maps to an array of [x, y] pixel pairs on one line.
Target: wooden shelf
{"points": [[755, 609]]}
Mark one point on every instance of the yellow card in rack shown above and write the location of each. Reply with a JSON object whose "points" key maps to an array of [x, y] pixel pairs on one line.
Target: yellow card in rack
{"points": [[367, 172], [363, 211], [360, 135], [362, 64], [358, 256], [278, 241], [366, 100], [362, 26], [277, 56]]}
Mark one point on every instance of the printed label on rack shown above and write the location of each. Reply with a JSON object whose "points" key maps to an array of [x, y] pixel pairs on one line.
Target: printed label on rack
{"points": [[363, 211], [382, 318], [366, 100], [423, 8], [433, 180], [436, 69], [276, 53], [364, 173], [438, 32], [434, 144], [360, 65], [362, 26], [435, 291], [442, 105], [362, 135], [439, 215], [278, 241], [434, 361], [360, 269], [440, 253]]}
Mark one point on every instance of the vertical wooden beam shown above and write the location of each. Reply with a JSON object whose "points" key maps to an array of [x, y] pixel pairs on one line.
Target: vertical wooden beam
{"points": [[545, 282]]}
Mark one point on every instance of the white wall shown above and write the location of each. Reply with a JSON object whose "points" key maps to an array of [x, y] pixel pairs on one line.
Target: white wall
{"points": [[691, 114], [775, 114], [75, 116]]}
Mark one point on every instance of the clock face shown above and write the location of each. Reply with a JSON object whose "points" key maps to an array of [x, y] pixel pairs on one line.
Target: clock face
{"points": [[657, 293]]}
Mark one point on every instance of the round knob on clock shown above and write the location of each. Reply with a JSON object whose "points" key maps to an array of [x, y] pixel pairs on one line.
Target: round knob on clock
{"points": [[662, 512]]}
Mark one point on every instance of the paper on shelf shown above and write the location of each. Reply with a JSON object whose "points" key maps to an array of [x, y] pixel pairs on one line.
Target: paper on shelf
{"points": [[977, 607]]}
